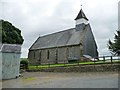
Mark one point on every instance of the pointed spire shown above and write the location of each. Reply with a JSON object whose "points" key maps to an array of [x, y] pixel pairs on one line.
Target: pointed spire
{"points": [[81, 15]]}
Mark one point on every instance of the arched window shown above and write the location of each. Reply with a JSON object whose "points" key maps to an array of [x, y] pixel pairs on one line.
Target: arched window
{"points": [[48, 54], [56, 56], [40, 54], [40, 57], [34, 54]]}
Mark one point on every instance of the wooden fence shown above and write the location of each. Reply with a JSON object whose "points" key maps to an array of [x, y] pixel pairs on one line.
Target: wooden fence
{"points": [[111, 59], [100, 60]]}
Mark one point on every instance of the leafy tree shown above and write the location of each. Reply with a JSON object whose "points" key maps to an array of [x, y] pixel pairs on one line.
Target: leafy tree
{"points": [[114, 46], [10, 34]]}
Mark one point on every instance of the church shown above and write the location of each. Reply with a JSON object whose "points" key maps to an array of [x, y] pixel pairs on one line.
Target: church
{"points": [[63, 46]]}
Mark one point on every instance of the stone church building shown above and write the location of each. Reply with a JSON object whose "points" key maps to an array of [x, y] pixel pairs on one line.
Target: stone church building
{"points": [[63, 46]]}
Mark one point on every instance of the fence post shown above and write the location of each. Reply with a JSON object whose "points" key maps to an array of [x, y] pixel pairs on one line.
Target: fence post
{"points": [[94, 61], [104, 59], [49, 63], [64, 62], [78, 62], [111, 59], [98, 58], [36, 64]]}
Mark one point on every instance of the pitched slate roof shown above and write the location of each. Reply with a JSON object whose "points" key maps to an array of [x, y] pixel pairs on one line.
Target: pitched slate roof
{"points": [[63, 38], [81, 15]]}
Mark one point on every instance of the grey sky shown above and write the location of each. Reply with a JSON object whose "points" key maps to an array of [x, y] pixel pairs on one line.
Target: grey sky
{"points": [[41, 17]]}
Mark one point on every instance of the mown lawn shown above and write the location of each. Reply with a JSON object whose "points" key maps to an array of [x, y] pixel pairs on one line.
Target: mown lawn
{"points": [[37, 67]]}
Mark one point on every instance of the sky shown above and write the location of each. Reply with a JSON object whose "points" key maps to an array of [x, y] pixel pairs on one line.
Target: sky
{"points": [[41, 17]]}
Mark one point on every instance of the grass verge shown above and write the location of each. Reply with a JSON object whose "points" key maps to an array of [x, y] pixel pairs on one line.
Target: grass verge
{"points": [[38, 67]]}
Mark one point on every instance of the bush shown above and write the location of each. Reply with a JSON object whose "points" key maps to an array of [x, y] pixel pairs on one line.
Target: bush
{"points": [[24, 62], [73, 61]]}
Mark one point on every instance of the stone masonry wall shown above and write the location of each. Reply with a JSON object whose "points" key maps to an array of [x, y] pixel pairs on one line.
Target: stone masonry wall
{"points": [[84, 68]]}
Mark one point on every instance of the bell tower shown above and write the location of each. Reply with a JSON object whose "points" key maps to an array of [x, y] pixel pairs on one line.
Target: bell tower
{"points": [[81, 19]]}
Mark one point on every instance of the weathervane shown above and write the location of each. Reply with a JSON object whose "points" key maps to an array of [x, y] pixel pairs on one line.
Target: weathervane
{"points": [[81, 6]]}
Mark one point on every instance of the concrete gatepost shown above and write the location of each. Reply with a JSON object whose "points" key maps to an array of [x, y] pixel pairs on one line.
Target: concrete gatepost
{"points": [[10, 60], [0, 68]]}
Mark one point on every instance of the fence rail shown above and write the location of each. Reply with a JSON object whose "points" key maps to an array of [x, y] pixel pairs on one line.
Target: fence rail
{"points": [[101, 60]]}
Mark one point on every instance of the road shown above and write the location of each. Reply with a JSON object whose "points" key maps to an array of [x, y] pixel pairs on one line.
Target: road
{"points": [[64, 80]]}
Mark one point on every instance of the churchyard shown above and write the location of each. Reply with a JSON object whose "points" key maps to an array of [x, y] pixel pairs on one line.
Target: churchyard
{"points": [[102, 60]]}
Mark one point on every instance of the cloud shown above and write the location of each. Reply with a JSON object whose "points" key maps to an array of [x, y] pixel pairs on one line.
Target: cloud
{"points": [[119, 15], [41, 17]]}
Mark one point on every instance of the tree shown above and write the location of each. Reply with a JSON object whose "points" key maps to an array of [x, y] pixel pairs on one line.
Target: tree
{"points": [[10, 34], [114, 46], [0, 32]]}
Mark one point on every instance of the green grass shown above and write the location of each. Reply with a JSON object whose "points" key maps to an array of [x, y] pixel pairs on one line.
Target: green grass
{"points": [[70, 64], [24, 59]]}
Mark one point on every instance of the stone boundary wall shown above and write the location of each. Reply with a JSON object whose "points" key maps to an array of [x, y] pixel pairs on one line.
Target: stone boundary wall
{"points": [[83, 68]]}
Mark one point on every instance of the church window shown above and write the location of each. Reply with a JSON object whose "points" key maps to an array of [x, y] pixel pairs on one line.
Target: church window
{"points": [[34, 54], [48, 54]]}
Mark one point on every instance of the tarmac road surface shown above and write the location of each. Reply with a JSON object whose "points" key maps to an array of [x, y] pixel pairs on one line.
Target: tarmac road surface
{"points": [[64, 80]]}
